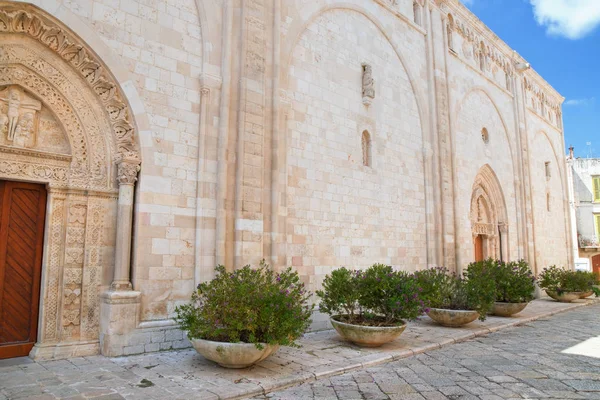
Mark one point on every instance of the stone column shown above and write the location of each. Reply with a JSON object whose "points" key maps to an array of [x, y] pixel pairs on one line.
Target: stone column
{"points": [[126, 175], [120, 305]]}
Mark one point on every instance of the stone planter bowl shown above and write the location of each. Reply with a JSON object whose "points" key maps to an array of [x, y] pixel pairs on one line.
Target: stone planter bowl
{"points": [[232, 355], [502, 309], [367, 336], [583, 295], [452, 318], [565, 297]]}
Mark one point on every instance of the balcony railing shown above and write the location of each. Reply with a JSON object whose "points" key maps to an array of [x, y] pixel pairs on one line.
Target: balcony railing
{"points": [[588, 241]]}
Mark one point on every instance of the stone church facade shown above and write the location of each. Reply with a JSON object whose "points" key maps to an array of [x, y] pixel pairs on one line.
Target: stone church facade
{"points": [[170, 136]]}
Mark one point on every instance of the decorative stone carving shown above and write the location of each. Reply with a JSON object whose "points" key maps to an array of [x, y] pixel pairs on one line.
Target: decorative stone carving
{"points": [[127, 171], [15, 19], [18, 117], [56, 243], [368, 84]]}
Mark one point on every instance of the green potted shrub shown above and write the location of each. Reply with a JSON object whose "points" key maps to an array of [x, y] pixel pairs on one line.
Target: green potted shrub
{"points": [[241, 317], [515, 286], [589, 282], [370, 307], [457, 300], [566, 285]]}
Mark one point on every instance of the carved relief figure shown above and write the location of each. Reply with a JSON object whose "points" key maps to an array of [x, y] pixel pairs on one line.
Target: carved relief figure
{"points": [[24, 131], [368, 84], [20, 115]]}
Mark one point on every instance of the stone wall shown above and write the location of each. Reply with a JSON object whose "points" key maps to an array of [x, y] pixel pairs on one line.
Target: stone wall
{"points": [[251, 118], [341, 211]]}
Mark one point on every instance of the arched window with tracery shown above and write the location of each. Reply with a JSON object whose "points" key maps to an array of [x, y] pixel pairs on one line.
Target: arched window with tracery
{"points": [[366, 149]]}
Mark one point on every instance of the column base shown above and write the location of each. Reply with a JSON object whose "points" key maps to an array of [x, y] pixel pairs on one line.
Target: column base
{"points": [[119, 317]]}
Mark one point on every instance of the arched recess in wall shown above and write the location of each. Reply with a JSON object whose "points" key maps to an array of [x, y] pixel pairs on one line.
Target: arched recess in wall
{"points": [[299, 26], [556, 158], [73, 123], [477, 110], [542, 191], [457, 121]]}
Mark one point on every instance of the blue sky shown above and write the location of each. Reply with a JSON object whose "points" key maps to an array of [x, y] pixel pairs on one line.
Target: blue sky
{"points": [[561, 40]]}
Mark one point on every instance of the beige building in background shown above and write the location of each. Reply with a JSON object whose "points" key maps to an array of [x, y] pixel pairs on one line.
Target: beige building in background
{"points": [[584, 194], [313, 134]]}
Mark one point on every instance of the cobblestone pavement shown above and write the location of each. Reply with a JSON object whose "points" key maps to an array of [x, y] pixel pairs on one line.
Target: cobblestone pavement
{"points": [[527, 362]]}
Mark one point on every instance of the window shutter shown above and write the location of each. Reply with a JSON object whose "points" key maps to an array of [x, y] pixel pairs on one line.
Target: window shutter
{"points": [[597, 217], [597, 188]]}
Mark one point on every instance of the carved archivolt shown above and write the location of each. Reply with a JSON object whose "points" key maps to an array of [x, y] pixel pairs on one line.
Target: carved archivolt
{"points": [[488, 209], [15, 19]]}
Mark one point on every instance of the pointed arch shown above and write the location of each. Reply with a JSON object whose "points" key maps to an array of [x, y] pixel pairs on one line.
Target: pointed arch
{"points": [[489, 215]]}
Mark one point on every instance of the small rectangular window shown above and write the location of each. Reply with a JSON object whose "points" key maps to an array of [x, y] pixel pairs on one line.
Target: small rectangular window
{"points": [[596, 188], [597, 218], [547, 169]]}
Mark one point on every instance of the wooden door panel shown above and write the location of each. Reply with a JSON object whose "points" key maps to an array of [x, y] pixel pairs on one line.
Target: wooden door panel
{"points": [[479, 248], [596, 264], [22, 215]]}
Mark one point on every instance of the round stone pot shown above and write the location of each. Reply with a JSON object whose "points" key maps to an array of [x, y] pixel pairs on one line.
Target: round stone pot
{"points": [[564, 297], [232, 355], [583, 295], [452, 318], [367, 336], [502, 309]]}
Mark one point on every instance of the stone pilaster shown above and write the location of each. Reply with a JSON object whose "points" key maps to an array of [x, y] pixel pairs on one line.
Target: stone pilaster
{"points": [[438, 34], [119, 308]]}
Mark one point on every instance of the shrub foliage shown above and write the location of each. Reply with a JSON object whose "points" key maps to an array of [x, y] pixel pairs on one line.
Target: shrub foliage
{"points": [[248, 305], [515, 282], [475, 290], [560, 280], [378, 296]]}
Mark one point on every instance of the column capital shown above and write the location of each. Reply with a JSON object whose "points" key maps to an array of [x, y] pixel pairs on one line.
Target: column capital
{"points": [[127, 170]]}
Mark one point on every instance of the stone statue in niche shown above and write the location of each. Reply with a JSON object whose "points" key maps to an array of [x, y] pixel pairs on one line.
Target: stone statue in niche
{"points": [[368, 84]]}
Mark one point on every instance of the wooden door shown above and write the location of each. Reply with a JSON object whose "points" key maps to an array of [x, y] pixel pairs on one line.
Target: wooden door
{"points": [[22, 213], [479, 248], [596, 264]]}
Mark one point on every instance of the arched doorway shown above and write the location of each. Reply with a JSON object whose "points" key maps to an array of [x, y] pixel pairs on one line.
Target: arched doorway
{"points": [[488, 217], [66, 128]]}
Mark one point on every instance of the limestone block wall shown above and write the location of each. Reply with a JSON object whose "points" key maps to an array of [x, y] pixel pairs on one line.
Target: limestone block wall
{"points": [[549, 196], [160, 45], [477, 112], [342, 212], [251, 115]]}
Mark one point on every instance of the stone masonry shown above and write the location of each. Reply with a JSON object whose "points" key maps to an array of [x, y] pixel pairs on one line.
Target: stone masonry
{"points": [[312, 134]]}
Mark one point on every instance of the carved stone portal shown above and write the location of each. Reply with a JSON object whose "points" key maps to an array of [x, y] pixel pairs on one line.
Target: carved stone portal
{"points": [[64, 123], [488, 215]]}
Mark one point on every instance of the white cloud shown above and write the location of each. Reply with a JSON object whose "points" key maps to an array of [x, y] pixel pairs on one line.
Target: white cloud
{"points": [[579, 102], [572, 19]]}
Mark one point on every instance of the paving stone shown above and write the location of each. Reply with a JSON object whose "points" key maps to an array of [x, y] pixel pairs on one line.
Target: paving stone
{"points": [[516, 363]]}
